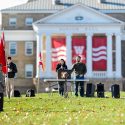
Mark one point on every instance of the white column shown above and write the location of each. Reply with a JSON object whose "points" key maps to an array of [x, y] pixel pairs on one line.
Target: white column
{"points": [[48, 55], [109, 56], [118, 56], [38, 50], [69, 50], [89, 55]]}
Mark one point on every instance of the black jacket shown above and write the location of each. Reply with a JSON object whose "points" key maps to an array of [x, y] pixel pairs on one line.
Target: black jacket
{"points": [[59, 67], [80, 68], [12, 67]]}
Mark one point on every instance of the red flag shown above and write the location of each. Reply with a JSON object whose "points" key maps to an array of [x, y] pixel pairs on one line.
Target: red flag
{"points": [[40, 60], [2, 54]]}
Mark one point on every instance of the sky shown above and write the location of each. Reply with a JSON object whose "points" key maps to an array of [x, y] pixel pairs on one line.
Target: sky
{"points": [[9, 3]]}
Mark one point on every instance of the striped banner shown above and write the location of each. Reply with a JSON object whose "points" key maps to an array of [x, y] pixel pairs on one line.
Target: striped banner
{"points": [[99, 53], [58, 50]]}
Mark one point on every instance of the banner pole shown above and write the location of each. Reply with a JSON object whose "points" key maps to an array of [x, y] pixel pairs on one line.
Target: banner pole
{"points": [[38, 79]]}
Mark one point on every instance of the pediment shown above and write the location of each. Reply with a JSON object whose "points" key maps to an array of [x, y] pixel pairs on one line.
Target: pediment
{"points": [[78, 14]]}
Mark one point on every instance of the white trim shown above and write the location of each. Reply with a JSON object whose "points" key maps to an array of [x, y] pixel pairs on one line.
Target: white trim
{"points": [[10, 48], [38, 50], [19, 35], [28, 11], [69, 49], [48, 55], [26, 45], [31, 68], [118, 56], [112, 11], [117, 9], [89, 54], [76, 28], [54, 11], [79, 24]]}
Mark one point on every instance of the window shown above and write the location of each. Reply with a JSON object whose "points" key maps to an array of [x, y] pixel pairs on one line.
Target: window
{"points": [[29, 21], [12, 21], [29, 48], [28, 70], [12, 48]]}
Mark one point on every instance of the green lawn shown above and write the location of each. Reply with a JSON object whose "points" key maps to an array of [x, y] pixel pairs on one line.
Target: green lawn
{"points": [[56, 110]]}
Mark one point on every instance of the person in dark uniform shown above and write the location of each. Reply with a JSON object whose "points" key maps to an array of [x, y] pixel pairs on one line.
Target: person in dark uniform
{"points": [[80, 69], [62, 65]]}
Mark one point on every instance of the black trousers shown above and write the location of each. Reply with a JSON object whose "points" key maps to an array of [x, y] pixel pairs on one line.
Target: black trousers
{"points": [[81, 84], [1, 101], [61, 88]]}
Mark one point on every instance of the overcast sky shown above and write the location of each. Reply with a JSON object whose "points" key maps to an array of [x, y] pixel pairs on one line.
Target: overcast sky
{"points": [[10, 3]]}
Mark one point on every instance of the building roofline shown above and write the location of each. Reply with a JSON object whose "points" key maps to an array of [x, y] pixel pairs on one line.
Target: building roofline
{"points": [[76, 5], [31, 11], [53, 11], [46, 5]]}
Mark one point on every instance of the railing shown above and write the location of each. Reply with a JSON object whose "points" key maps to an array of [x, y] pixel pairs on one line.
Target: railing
{"points": [[99, 74]]}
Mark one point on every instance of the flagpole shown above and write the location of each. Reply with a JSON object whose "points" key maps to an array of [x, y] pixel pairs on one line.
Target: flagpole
{"points": [[38, 79], [40, 64]]}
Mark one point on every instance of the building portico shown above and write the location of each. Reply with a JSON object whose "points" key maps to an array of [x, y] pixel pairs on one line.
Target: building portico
{"points": [[77, 21]]}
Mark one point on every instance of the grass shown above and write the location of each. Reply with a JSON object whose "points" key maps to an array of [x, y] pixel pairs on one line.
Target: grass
{"points": [[56, 110]]}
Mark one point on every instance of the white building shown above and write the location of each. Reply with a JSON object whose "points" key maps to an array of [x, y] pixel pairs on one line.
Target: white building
{"points": [[93, 23]]}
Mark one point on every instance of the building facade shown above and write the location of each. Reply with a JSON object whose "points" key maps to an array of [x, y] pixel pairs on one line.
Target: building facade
{"points": [[92, 29]]}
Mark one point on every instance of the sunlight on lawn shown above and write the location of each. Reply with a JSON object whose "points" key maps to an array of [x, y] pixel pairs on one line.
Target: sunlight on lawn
{"points": [[55, 110]]}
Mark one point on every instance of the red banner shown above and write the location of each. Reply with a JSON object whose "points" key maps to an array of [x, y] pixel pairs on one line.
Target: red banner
{"points": [[99, 53], [79, 48], [58, 50]]}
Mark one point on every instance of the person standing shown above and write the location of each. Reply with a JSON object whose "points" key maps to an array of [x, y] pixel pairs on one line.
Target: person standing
{"points": [[9, 80], [61, 66], [2, 85], [80, 70]]}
